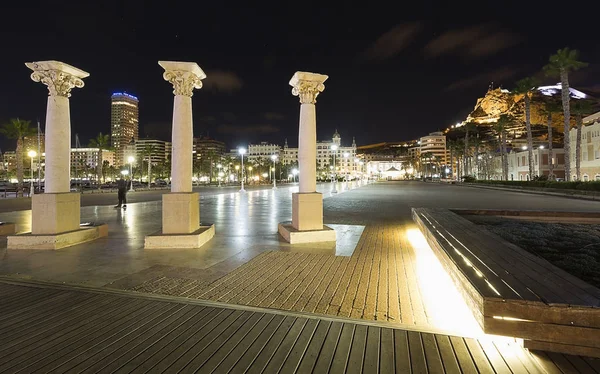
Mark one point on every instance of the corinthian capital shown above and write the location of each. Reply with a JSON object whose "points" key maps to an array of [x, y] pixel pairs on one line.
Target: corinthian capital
{"points": [[58, 76], [307, 86], [184, 76]]}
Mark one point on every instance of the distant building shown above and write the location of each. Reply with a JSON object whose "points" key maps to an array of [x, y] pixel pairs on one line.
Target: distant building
{"points": [[88, 158], [434, 144], [124, 124], [590, 149], [31, 143], [262, 150], [388, 169], [205, 146], [157, 150]]}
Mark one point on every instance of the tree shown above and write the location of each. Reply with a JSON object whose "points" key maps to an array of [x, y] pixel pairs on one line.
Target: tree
{"points": [[500, 127], [560, 64], [526, 86], [147, 153], [19, 130], [469, 127], [580, 108], [550, 107], [101, 142]]}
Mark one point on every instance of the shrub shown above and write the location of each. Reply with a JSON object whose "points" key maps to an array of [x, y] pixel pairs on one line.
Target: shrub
{"points": [[469, 179]]}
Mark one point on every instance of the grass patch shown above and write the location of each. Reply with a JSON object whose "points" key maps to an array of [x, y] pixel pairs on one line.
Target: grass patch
{"points": [[574, 248]]}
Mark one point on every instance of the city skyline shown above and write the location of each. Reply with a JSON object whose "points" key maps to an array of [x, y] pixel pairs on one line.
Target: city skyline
{"points": [[387, 76]]}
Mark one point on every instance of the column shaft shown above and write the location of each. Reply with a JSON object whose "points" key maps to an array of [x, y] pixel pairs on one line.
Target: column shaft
{"points": [[181, 159], [307, 149], [58, 147]]}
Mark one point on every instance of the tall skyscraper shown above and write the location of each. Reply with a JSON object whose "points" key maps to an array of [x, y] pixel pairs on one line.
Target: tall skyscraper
{"points": [[124, 123]]}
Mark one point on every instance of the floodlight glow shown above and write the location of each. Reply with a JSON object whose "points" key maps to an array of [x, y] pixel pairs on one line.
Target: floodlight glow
{"points": [[242, 151], [32, 153], [334, 147]]}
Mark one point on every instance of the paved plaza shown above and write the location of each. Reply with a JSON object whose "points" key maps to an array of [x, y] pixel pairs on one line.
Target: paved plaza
{"points": [[380, 271]]}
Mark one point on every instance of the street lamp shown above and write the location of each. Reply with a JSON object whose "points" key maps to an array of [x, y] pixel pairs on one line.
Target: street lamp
{"points": [[274, 158], [220, 177], [31, 154], [242, 151], [219, 166], [334, 148], [346, 155], [294, 173], [131, 159]]}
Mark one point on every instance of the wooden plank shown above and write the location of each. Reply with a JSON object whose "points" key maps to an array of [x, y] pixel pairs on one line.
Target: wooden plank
{"points": [[562, 348], [254, 349], [325, 357], [314, 301], [593, 362], [447, 354], [356, 359], [372, 350], [580, 364], [333, 287], [512, 360], [210, 341], [402, 352], [432, 353], [303, 296], [387, 355], [545, 362], [376, 278], [418, 361], [226, 342], [284, 338], [314, 348], [416, 299], [35, 312], [287, 358], [563, 364], [406, 313], [339, 364], [462, 355], [478, 355], [97, 352], [393, 296], [44, 351]]}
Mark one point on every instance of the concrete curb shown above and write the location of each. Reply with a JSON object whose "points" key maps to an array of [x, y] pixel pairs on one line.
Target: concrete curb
{"points": [[537, 192]]}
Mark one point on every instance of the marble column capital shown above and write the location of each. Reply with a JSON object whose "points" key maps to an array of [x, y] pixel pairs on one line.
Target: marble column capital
{"points": [[60, 78], [307, 86], [184, 76]]}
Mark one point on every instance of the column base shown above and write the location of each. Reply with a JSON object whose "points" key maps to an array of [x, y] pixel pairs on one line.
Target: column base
{"points": [[307, 211], [55, 213], [295, 236], [7, 228], [180, 213], [57, 241], [195, 239]]}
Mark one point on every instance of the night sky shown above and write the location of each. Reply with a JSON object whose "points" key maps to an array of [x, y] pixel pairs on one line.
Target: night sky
{"points": [[390, 78]]}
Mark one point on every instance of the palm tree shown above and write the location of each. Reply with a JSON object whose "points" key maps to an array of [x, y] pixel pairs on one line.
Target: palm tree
{"points": [[147, 153], [468, 126], [580, 108], [560, 64], [101, 142], [500, 126], [550, 107], [526, 86], [19, 130]]}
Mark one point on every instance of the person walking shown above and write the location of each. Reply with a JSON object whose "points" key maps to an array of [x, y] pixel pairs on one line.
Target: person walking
{"points": [[122, 193]]}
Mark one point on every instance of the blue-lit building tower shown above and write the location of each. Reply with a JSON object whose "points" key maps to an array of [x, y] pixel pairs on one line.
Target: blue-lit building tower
{"points": [[124, 124]]}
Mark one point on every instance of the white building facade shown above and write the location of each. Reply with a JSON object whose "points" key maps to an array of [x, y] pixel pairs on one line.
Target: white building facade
{"points": [[590, 149], [262, 150]]}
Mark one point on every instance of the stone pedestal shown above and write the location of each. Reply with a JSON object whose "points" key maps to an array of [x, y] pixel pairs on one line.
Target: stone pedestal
{"points": [[307, 211], [7, 228], [55, 213], [180, 212]]}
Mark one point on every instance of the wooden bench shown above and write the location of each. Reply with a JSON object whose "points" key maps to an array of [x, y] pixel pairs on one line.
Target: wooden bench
{"points": [[512, 292]]}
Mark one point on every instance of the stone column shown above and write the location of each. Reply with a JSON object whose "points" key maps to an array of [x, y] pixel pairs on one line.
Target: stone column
{"points": [[181, 209], [307, 205], [57, 210]]}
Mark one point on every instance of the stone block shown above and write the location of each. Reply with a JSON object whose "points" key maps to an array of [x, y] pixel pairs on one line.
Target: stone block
{"points": [[7, 228], [176, 241], [307, 211], [55, 213], [57, 241], [180, 213], [294, 236]]}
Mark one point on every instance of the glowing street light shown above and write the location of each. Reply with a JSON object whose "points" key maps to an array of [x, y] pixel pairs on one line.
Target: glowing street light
{"points": [[294, 173], [541, 147], [221, 174], [334, 148], [32, 154], [524, 147], [131, 159], [242, 152], [346, 155], [219, 166], [274, 158]]}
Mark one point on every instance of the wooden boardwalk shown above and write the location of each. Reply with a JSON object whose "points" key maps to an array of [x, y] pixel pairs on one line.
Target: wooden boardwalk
{"points": [[61, 329], [378, 282]]}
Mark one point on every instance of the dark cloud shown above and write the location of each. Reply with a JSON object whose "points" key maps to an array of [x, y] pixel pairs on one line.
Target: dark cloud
{"points": [[222, 81], [392, 42], [472, 42], [484, 79], [252, 129], [273, 116]]}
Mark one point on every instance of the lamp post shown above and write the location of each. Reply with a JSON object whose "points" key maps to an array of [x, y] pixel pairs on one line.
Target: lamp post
{"points": [[294, 173], [131, 159], [221, 174], [346, 155], [242, 151], [274, 158], [219, 166], [32, 155], [334, 148]]}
